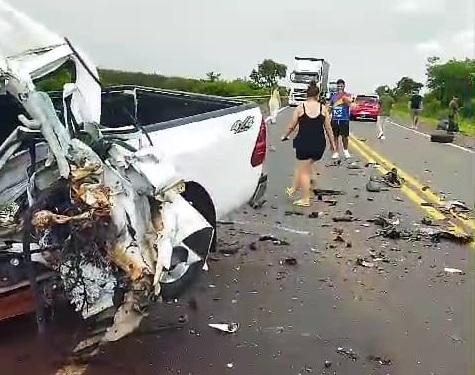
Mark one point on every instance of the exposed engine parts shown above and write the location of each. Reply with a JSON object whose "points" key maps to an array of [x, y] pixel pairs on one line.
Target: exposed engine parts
{"points": [[105, 219]]}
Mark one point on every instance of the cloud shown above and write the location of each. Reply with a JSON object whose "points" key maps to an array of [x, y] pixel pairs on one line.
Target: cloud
{"points": [[419, 6], [465, 40], [429, 48], [184, 47], [456, 45]]}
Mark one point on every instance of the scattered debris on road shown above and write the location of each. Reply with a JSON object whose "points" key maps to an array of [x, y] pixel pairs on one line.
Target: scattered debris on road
{"points": [[225, 327], [346, 218], [453, 208], [454, 270], [314, 215], [339, 238], [274, 240], [330, 192], [382, 361], [364, 263], [350, 353], [335, 163], [391, 179], [290, 261], [293, 213], [354, 165], [374, 187], [292, 230], [390, 230]]}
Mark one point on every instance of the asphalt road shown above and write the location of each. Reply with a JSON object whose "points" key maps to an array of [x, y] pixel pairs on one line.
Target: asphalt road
{"points": [[447, 169], [293, 317]]}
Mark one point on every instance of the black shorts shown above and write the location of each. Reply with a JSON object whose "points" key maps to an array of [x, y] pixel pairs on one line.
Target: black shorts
{"points": [[341, 127], [313, 155]]}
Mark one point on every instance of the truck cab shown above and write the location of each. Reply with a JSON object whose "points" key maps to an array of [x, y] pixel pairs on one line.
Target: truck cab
{"points": [[331, 89], [307, 69]]}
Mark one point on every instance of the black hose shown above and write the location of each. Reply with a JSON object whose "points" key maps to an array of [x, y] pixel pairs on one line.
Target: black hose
{"points": [[83, 63], [40, 311]]}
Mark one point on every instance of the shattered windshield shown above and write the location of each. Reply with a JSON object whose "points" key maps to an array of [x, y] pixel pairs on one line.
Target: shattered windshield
{"points": [[366, 99], [304, 77]]}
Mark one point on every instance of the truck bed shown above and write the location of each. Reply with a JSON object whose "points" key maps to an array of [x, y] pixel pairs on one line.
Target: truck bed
{"points": [[148, 105], [157, 106]]}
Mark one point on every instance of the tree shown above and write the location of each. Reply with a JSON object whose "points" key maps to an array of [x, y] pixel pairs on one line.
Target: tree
{"points": [[213, 77], [55, 80], [453, 77], [380, 90], [267, 73], [406, 86]]}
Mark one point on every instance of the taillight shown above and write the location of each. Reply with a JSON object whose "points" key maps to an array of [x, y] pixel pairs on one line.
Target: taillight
{"points": [[260, 148]]}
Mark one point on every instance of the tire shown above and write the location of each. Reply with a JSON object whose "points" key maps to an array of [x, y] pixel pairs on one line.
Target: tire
{"points": [[442, 138], [199, 198]]}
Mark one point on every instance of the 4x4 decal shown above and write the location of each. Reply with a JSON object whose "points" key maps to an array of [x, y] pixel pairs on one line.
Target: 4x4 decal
{"points": [[243, 125]]}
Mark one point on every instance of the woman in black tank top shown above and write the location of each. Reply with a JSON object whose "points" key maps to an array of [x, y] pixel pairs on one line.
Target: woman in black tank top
{"points": [[309, 143]]}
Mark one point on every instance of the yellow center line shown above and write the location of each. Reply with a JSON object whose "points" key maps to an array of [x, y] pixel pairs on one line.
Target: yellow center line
{"points": [[429, 195], [432, 212], [72, 370]]}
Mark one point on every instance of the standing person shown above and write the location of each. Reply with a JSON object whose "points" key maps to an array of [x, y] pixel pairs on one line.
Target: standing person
{"points": [[340, 107], [415, 107], [313, 120], [274, 105], [386, 103], [454, 108]]}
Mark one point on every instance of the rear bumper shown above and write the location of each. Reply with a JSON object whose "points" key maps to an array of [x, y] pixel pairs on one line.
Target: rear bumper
{"points": [[17, 302], [260, 192], [364, 115]]}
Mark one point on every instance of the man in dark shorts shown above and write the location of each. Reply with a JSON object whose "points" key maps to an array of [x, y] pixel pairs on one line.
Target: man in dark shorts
{"points": [[340, 106], [415, 107]]}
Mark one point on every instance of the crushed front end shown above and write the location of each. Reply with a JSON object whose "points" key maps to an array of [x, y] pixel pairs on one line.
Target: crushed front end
{"points": [[93, 220]]}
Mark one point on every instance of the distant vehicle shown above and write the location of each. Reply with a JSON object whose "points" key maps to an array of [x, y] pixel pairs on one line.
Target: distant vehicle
{"points": [[365, 107], [331, 89], [307, 69]]}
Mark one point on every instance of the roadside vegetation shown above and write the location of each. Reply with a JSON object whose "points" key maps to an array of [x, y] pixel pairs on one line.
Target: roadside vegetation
{"points": [[444, 80], [258, 85]]}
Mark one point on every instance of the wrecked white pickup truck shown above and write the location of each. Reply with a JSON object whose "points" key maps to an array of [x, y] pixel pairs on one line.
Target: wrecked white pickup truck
{"points": [[109, 198]]}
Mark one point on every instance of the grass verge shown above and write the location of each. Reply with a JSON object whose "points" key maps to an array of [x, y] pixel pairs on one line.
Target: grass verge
{"points": [[467, 127]]}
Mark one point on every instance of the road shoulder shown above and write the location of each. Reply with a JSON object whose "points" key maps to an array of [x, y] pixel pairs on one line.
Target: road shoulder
{"points": [[426, 128]]}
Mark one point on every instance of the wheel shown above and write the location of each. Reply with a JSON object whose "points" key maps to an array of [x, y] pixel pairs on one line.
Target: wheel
{"points": [[442, 138], [182, 275]]}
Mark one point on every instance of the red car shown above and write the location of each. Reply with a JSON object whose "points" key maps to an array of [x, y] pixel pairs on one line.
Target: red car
{"points": [[365, 107]]}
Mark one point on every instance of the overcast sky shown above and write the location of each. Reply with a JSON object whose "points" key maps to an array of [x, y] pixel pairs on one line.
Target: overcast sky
{"points": [[367, 42]]}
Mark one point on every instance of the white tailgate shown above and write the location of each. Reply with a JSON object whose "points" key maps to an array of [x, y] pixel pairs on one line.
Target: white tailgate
{"points": [[209, 153]]}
